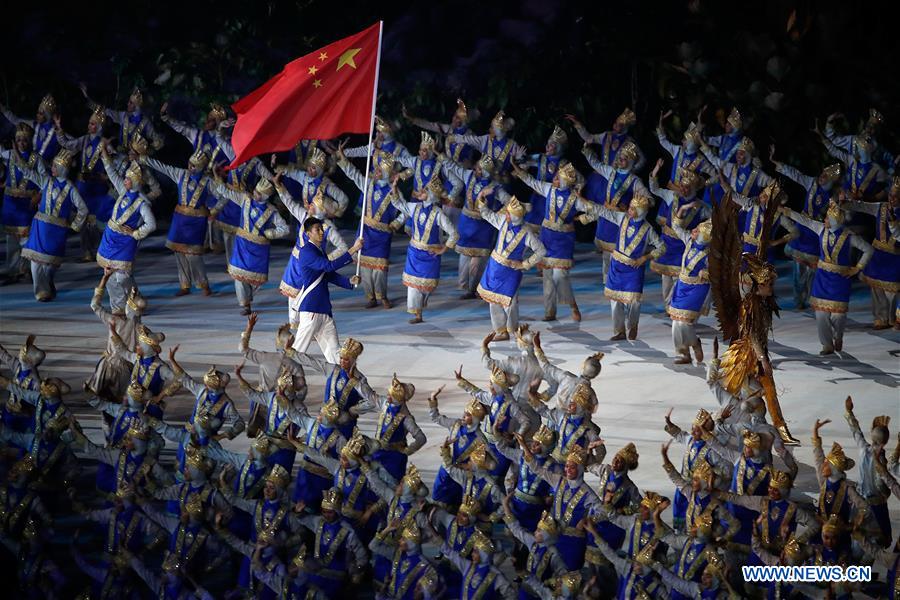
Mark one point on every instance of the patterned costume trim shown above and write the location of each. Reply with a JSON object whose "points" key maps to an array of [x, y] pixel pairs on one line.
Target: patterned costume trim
{"points": [[225, 227], [21, 232], [115, 265], [494, 297], [422, 284], [669, 270], [40, 216], [810, 260], [185, 248], [556, 263], [48, 259], [377, 264], [465, 251], [680, 314], [892, 287], [624, 297], [249, 277], [829, 306]]}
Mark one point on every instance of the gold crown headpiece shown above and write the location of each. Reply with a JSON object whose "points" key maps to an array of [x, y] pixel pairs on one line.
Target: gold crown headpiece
{"points": [[481, 542], [48, 105], [704, 230], [24, 131], [382, 125], [470, 506], [330, 411], [499, 377], [401, 391], [651, 500], [704, 472], [217, 112], [501, 121], [134, 173], [865, 142], [332, 499], [627, 117], [583, 397], [835, 212], [355, 448], [140, 145], [215, 379], [412, 478], [688, 177], [410, 532], [832, 172], [781, 480], [476, 409], [747, 145], [838, 459], [285, 380], [558, 137], [487, 165], [703, 419], [881, 421], [261, 444], [63, 158], [833, 526], [578, 456], [137, 96], [568, 173], [279, 476], [199, 160], [544, 436], [792, 549], [461, 111], [427, 141], [317, 159], [735, 118], [515, 208], [264, 188], [194, 506], [548, 524], [641, 202], [629, 455], [139, 431], [752, 440], [628, 151], [98, 116], [136, 301], [351, 349]]}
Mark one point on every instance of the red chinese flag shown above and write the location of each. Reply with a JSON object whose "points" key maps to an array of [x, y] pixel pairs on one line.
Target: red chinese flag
{"points": [[318, 96]]}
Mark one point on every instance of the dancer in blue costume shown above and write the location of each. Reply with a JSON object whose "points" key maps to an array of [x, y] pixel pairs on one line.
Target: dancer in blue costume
{"points": [[380, 223], [572, 424], [93, 184], [635, 577], [611, 142], [563, 200], [61, 208], [531, 494], [131, 221], [643, 528], [728, 144], [16, 417], [45, 141], [625, 282], [211, 399], [149, 370], [752, 215], [690, 297], [620, 497], [395, 423], [680, 205], [312, 178], [19, 197], [685, 156], [422, 271], [465, 435], [618, 184], [835, 490], [420, 167], [260, 223], [480, 578], [412, 575], [546, 165], [132, 121], [873, 127], [476, 236], [496, 144], [805, 248], [830, 297], [203, 140], [882, 273], [743, 173], [499, 285], [573, 500], [458, 125], [864, 179], [544, 561]]}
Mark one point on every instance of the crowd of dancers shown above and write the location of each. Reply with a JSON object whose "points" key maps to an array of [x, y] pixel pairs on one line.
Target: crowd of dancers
{"points": [[319, 507]]}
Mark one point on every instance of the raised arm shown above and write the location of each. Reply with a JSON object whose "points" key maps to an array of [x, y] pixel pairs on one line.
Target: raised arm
{"points": [[541, 187], [173, 173], [599, 166]]}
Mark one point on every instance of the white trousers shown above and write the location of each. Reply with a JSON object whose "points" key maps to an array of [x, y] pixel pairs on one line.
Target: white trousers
{"points": [[42, 280], [830, 327], [119, 287], [883, 305], [415, 300], [374, 283], [803, 276], [505, 320], [557, 289], [668, 286], [320, 327], [625, 315], [191, 269], [471, 268], [244, 292], [684, 336]]}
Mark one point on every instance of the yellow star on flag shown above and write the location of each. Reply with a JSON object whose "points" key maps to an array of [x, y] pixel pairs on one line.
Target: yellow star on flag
{"points": [[323, 55], [313, 69], [317, 83], [347, 58]]}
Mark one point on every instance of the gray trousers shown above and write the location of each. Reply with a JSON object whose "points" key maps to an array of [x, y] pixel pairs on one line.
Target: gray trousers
{"points": [[228, 240], [803, 277], [668, 286], [471, 268], [830, 327], [684, 336], [607, 258], [191, 269], [557, 289], [119, 287], [90, 239], [415, 300], [15, 264], [505, 320], [883, 305], [625, 315], [214, 238], [374, 283], [42, 280], [244, 292]]}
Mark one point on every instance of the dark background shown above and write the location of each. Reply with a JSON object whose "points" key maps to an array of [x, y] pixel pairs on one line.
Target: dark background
{"points": [[783, 63]]}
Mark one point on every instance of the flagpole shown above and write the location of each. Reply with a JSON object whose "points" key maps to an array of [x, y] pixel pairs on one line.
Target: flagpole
{"points": [[369, 148]]}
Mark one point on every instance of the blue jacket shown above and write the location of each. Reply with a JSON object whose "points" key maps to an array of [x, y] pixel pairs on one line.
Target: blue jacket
{"points": [[316, 272]]}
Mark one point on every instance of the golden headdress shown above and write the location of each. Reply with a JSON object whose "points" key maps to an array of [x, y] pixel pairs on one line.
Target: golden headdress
{"points": [[199, 160], [427, 141], [751, 440], [412, 478], [651, 500], [758, 270], [137, 96], [715, 566], [194, 507], [63, 158], [279, 477], [317, 159], [410, 532], [385, 160], [125, 490], [832, 172], [499, 377], [22, 467], [641, 202], [515, 208], [401, 391], [501, 121], [134, 173], [264, 188], [461, 111], [781, 480], [195, 457], [149, 338], [138, 431], [583, 397], [476, 409], [136, 301], [835, 213], [689, 178], [487, 164], [330, 411], [215, 379], [382, 125], [881, 421], [704, 230], [627, 117], [470, 506], [578, 456], [703, 418], [704, 522], [261, 444], [692, 133], [747, 145], [704, 472], [865, 142], [299, 560], [31, 355], [628, 151], [558, 137], [48, 105], [568, 173], [140, 145], [217, 112], [332, 499], [792, 549], [285, 380], [875, 117], [838, 459], [435, 186], [98, 116], [548, 524], [735, 118], [645, 556], [351, 349], [833, 526], [355, 448], [24, 131], [480, 457], [629, 455], [481, 542], [570, 580], [49, 388], [544, 436]]}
